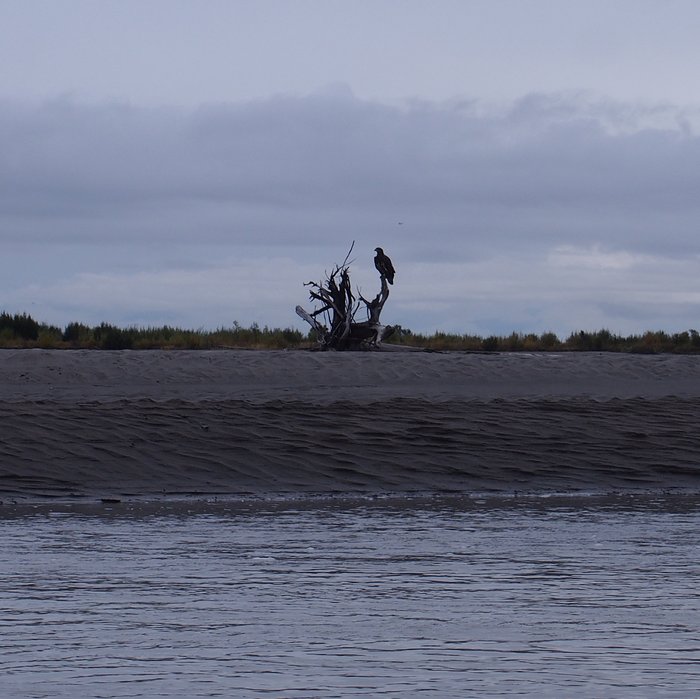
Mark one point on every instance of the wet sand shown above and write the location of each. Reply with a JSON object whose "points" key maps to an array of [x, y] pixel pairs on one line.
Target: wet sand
{"points": [[76, 424]]}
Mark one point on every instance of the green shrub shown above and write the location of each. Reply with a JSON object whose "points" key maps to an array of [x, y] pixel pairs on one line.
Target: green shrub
{"points": [[490, 344], [109, 337], [77, 334]]}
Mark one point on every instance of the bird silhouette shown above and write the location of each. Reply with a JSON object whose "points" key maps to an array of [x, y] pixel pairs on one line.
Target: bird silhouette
{"points": [[383, 265]]}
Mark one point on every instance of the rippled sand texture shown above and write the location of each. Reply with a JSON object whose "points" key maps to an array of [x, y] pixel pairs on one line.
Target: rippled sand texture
{"points": [[228, 422]]}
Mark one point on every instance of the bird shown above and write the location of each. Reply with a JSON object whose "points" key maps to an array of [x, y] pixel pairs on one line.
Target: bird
{"points": [[383, 265]]}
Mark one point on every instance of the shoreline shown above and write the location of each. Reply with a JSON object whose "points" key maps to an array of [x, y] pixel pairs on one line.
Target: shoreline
{"points": [[680, 501]]}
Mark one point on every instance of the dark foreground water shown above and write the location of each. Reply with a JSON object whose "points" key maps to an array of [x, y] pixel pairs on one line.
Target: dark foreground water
{"points": [[432, 598]]}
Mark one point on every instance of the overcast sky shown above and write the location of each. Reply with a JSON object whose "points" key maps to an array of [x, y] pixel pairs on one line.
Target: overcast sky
{"points": [[529, 165]]}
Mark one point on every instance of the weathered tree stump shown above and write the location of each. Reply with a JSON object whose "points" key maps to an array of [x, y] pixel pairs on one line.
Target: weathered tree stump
{"points": [[338, 310]]}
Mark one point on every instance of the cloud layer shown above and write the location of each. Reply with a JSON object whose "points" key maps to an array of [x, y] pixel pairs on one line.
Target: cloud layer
{"points": [[556, 212]]}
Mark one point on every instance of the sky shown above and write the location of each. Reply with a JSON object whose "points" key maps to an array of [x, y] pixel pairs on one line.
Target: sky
{"points": [[528, 165]]}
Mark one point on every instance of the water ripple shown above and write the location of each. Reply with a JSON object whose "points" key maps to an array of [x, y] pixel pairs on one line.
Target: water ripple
{"points": [[352, 602]]}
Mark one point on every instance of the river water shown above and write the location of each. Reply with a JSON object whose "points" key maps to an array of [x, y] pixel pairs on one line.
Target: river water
{"points": [[541, 597]]}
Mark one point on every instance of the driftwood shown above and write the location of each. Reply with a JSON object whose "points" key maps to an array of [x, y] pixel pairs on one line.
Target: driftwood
{"points": [[335, 321]]}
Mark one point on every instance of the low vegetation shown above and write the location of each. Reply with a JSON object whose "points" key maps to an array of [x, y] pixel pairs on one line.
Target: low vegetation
{"points": [[22, 331], [600, 341]]}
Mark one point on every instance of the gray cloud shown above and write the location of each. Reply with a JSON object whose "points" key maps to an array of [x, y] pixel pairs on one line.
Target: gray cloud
{"points": [[557, 186]]}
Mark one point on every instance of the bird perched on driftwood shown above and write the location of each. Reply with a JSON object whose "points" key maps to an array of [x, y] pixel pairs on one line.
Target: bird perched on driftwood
{"points": [[383, 265]]}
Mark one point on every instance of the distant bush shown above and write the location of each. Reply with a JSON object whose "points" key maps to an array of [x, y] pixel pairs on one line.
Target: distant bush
{"points": [[49, 337], [490, 344], [580, 341], [592, 342], [550, 341], [109, 337], [19, 326], [77, 334]]}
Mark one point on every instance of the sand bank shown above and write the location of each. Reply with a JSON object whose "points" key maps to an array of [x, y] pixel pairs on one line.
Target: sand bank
{"points": [[115, 424]]}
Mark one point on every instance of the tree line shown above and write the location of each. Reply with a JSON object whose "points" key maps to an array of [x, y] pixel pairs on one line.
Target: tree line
{"points": [[22, 331]]}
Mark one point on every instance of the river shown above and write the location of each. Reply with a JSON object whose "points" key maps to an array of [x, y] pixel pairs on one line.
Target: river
{"points": [[430, 597]]}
